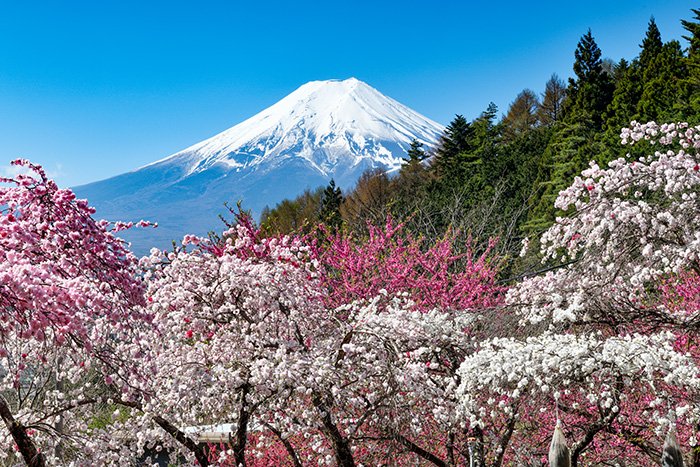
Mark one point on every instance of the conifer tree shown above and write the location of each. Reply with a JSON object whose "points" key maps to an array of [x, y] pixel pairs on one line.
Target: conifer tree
{"points": [[551, 109], [591, 91], [456, 140], [522, 114], [331, 200], [690, 86], [415, 153], [623, 108], [651, 45], [572, 146], [662, 84], [409, 185], [693, 28]]}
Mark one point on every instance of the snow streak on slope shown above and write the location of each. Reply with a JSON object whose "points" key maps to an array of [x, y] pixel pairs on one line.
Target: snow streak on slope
{"points": [[323, 130]]}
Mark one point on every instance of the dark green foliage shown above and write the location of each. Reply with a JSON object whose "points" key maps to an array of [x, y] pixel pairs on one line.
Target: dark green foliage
{"points": [[408, 187], [690, 86], [662, 80], [591, 90], [573, 145], [331, 199], [454, 142], [651, 45], [415, 154], [693, 37]]}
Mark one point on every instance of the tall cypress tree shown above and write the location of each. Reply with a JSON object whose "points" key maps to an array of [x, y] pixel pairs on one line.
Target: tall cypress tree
{"points": [[661, 92]]}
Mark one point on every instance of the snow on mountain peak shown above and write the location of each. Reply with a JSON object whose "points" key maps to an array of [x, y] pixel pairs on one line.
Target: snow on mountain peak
{"points": [[324, 129], [326, 123]]}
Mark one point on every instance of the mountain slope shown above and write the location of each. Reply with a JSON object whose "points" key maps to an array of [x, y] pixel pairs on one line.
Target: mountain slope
{"points": [[323, 130]]}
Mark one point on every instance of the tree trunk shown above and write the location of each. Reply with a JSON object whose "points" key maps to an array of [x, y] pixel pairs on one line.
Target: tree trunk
{"points": [[176, 433], [695, 461], [183, 439], [478, 451], [287, 445], [450, 447], [341, 448], [414, 448], [31, 455], [241, 430]]}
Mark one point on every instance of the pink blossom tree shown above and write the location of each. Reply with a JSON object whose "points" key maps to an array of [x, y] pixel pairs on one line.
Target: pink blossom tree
{"points": [[434, 274], [245, 335], [68, 288]]}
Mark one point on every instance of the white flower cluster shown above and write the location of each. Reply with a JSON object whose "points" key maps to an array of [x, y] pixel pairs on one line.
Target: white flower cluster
{"points": [[631, 225]]}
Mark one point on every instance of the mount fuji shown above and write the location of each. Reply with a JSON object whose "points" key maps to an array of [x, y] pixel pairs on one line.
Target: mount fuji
{"points": [[325, 129]]}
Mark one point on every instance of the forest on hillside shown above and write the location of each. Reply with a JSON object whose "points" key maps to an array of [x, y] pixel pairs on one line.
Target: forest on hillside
{"points": [[499, 177]]}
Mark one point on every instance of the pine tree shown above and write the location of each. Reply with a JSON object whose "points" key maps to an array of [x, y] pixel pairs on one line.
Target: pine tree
{"points": [[572, 146], [623, 108], [693, 28], [331, 200], [415, 153], [455, 141], [591, 91], [409, 186], [551, 109], [651, 45]]}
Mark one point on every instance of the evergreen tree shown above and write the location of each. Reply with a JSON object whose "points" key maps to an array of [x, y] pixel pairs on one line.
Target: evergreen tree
{"points": [[651, 45], [415, 154], [690, 86], [591, 91], [456, 140], [662, 84], [409, 185], [486, 136], [572, 146], [551, 109], [331, 200], [623, 108], [693, 37]]}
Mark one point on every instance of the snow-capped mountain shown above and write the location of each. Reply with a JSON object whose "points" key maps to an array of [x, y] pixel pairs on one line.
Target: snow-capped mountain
{"points": [[323, 130]]}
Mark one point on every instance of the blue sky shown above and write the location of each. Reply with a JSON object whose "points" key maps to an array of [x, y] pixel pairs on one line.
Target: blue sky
{"points": [[94, 89]]}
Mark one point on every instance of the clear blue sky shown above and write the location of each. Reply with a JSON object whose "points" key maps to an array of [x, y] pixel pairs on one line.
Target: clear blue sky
{"points": [[97, 88]]}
